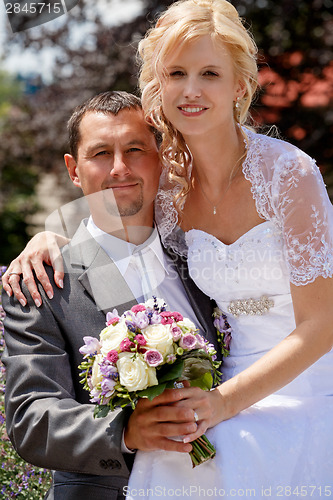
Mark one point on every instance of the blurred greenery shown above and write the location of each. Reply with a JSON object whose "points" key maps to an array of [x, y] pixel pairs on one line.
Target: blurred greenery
{"points": [[295, 41]]}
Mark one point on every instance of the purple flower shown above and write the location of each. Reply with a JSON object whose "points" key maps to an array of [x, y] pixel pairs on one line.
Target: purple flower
{"points": [[141, 320], [188, 341], [155, 318], [219, 323], [91, 346], [153, 357], [107, 386], [95, 396], [227, 339], [107, 369]]}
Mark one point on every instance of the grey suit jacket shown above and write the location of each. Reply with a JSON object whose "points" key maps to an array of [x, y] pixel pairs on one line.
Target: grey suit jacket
{"points": [[49, 418]]}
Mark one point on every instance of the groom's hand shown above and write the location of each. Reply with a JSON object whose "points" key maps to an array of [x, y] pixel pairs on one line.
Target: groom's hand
{"points": [[153, 423]]}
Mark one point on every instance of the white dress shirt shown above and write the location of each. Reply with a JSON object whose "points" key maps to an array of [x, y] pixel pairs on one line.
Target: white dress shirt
{"points": [[147, 271]]}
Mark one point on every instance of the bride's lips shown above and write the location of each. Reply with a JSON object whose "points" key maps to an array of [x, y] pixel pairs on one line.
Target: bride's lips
{"points": [[192, 109]]}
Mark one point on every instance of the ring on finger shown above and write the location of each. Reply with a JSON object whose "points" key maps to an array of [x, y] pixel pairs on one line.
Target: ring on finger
{"points": [[18, 274], [196, 417]]}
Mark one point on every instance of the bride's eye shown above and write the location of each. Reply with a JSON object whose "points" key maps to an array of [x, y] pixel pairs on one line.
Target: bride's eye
{"points": [[176, 73], [210, 73]]}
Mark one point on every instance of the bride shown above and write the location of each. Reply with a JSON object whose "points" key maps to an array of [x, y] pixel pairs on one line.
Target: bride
{"points": [[252, 216]]}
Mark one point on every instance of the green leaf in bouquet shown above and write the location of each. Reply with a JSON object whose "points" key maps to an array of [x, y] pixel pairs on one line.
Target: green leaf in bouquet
{"points": [[101, 411], [170, 372], [205, 382], [152, 392], [196, 367]]}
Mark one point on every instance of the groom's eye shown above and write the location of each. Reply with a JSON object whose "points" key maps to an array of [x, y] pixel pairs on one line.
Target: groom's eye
{"points": [[134, 150]]}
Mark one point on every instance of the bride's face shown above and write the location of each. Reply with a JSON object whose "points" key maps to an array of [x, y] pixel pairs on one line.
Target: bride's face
{"points": [[200, 89]]}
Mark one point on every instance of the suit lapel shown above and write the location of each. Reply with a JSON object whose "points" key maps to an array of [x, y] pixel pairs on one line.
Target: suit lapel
{"points": [[100, 277]]}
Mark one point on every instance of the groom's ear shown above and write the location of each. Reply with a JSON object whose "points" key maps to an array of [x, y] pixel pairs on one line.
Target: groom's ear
{"points": [[72, 168]]}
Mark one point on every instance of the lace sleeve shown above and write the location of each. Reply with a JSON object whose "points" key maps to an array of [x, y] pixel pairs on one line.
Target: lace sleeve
{"points": [[305, 213]]}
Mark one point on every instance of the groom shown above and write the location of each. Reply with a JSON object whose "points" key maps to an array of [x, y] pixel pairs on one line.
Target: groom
{"points": [[114, 160]]}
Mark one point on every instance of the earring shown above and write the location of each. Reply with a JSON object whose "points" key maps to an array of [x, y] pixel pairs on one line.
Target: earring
{"points": [[237, 105]]}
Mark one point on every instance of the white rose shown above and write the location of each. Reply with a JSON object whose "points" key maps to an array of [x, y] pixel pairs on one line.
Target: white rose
{"points": [[112, 336], [159, 337], [186, 325], [96, 376], [134, 373]]}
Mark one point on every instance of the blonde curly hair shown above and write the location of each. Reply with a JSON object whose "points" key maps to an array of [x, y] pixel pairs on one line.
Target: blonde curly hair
{"points": [[182, 22]]}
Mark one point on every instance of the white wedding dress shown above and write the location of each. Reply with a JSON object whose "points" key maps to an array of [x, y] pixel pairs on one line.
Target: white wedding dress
{"points": [[283, 445]]}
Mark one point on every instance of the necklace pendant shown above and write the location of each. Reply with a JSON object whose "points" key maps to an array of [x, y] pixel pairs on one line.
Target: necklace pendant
{"points": [[214, 211]]}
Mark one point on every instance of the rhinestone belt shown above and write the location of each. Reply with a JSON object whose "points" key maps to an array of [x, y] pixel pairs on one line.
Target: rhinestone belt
{"points": [[250, 306]]}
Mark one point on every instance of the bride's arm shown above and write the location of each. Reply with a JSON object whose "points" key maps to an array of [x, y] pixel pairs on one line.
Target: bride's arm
{"points": [[311, 339], [305, 216], [43, 247]]}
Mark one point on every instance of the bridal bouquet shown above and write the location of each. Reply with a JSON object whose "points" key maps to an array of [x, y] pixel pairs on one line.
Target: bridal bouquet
{"points": [[143, 352]]}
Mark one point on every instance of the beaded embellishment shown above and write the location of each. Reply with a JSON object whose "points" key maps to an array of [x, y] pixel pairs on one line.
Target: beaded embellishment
{"points": [[250, 306]]}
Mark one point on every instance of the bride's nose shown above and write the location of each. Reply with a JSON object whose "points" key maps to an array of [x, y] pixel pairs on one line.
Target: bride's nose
{"points": [[192, 88]]}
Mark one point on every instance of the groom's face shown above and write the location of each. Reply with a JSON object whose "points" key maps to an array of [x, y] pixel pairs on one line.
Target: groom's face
{"points": [[118, 156]]}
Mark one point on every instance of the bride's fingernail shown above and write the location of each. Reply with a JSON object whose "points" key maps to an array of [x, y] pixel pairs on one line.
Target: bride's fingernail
{"points": [[61, 284], [186, 440], [50, 294], [38, 303], [23, 302]]}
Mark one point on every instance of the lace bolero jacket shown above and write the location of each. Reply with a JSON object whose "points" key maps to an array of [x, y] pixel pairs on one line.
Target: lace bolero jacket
{"points": [[289, 191]]}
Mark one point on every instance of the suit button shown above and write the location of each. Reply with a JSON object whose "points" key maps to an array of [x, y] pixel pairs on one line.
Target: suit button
{"points": [[110, 464]]}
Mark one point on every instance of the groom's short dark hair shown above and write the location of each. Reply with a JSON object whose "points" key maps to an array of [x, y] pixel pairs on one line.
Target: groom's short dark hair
{"points": [[111, 102]]}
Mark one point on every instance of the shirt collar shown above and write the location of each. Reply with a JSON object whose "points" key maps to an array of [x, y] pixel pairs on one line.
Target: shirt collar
{"points": [[120, 251]]}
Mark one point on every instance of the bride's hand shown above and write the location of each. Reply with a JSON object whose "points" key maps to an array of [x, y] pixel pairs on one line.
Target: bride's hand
{"points": [[43, 247], [208, 408]]}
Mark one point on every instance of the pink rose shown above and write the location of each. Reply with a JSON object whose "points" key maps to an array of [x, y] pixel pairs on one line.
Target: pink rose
{"points": [[200, 342], [153, 357], [188, 341], [176, 333]]}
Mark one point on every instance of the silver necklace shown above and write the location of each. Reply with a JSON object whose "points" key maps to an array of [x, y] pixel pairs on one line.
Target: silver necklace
{"points": [[231, 178]]}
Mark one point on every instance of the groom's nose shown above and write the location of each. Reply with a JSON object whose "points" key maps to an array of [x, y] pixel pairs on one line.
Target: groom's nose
{"points": [[119, 166]]}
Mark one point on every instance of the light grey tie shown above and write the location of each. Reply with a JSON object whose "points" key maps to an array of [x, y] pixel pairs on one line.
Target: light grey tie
{"points": [[150, 277]]}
